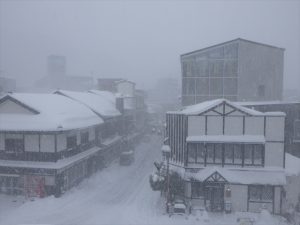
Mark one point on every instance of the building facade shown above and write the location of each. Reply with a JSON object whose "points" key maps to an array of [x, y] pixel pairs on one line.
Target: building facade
{"points": [[237, 70], [50, 142], [292, 121], [229, 157]]}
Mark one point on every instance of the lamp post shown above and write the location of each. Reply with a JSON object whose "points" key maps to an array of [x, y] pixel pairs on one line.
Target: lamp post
{"points": [[166, 150]]}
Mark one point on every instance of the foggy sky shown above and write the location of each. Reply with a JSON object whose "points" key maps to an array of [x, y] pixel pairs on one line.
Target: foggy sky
{"points": [[138, 40]]}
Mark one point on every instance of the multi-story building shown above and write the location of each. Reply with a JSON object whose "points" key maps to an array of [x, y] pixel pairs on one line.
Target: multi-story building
{"points": [[237, 70], [228, 156], [50, 142]]}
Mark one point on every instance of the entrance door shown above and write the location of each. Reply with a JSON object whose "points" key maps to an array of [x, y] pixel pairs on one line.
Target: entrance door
{"points": [[215, 197]]}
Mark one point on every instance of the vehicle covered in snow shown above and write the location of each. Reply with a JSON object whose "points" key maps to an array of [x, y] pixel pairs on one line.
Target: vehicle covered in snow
{"points": [[126, 158]]}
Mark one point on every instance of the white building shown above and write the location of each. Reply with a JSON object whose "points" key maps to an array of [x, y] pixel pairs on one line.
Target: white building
{"points": [[229, 156], [50, 142]]}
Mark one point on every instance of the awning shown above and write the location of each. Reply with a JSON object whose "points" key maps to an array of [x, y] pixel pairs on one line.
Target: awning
{"points": [[253, 139], [240, 176]]}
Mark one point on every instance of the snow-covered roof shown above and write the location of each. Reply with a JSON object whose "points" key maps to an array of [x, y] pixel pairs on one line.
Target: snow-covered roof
{"points": [[98, 104], [241, 176], [207, 105], [49, 112], [292, 165], [267, 103], [105, 94], [227, 138]]}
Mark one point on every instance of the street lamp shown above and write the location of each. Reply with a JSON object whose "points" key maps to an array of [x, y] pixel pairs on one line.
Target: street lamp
{"points": [[166, 150]]}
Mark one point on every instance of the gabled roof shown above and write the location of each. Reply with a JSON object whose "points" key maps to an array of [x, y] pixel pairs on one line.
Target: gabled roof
{"points": [[100, 105], [229, 42], [53, 113], [206, 106]]}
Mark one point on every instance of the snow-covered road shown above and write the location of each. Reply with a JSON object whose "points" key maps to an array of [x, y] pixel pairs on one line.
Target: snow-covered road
{"points": [[115, 195]]}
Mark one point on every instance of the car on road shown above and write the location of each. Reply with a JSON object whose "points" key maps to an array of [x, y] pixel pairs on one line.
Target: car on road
{"points": [[126, 158]]}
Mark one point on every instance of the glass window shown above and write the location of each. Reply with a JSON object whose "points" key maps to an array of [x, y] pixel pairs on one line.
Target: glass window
{"points": [[218, 153], [216, 53], [230, 86], [71, 142], [200, 153], [248, 154], [267, 193], [14, 145], [192, 153], [258, 154], [230, 68], [184, 68], [231, 51], [238, 154], [216, 68], [255, 193], [210, 153], [197, 190], [202, 68], [229, 149], [188, 100], [202, 86], [84, 137], [216, 86]]}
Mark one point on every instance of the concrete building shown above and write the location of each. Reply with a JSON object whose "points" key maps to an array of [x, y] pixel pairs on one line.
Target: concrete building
{"points": [[229, 157], [237, 70]]}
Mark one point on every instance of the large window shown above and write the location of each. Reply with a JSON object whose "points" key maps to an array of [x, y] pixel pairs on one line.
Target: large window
{"points": [[71, 142], [216, 68], [188, 86], [230, 68], [202, 85], [14, 145], [216, 86], [226, 154], [231, 51], [197, 190], [260, 193], [84, 137], [230, 86]]}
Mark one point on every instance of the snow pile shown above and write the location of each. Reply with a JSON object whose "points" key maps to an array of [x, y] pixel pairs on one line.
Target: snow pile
{"points": [[292, 165]]}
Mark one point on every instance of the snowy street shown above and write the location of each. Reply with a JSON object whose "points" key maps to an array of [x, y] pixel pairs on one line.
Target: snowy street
{"points": [[115, 195]]}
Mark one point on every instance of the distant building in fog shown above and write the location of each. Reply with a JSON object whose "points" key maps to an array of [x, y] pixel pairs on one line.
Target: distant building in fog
{"points": [[56, 65], [57, 77], [238, 70], [7, 85]]}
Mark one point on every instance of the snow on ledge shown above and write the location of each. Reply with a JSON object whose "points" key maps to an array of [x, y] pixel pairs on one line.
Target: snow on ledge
{"points": [[227, 138]]}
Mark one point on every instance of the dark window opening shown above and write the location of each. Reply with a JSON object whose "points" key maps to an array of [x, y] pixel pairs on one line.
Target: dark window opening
{"points": [[14, 145], [71, 142]]}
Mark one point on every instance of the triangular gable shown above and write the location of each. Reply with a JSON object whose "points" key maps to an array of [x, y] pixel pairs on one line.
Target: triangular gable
{"points": [[216, 177], [224, 109], [10, 105]]}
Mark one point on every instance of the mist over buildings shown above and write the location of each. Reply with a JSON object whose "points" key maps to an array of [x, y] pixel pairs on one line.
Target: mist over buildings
{"points": [[140, 41]]}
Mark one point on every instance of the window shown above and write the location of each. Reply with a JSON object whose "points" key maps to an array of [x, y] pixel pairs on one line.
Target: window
{"points": [[200, 153], [192, 153], [71, 142], [216, 86], [210, 153], [238, 156], [202, 86], [216, 68], [84, 137], [248, 154], [230, 68], [197, 190], [229, 149], [253, 155], [216, 53], [231, 51], [188, 86], [201, 68], [218, 153], [14, 145], [260, 193]]}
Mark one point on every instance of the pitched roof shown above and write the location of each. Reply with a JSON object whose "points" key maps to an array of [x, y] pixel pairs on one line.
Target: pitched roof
{"points": [[100, 105], [228, 42], [208, 105], [105, 94], [49, 113]]}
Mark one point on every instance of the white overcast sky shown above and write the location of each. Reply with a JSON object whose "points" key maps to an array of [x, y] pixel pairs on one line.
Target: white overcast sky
{"points": [[138, 40]]}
